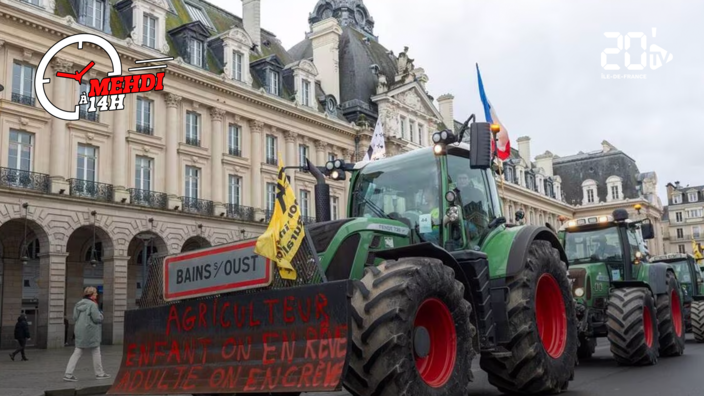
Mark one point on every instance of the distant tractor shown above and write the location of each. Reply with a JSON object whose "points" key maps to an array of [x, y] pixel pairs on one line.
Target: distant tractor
{"points": [[620, 293], [690, 276]]}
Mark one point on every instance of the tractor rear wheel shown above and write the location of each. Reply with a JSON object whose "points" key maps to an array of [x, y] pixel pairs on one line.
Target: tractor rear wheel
{"points": [[671, 319], [543, 328], [412, 333], [698, 320], [632, 326]]}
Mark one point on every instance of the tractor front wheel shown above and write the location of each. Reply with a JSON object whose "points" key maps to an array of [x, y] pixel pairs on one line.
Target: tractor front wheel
{"points": [[632, 326], [671, 325], [412, 333], [698, 320], [543, 328]]}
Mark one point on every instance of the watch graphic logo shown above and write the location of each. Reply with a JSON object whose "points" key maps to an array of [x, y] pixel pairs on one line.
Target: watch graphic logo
{"points": [[636, 54], [106, 94]]}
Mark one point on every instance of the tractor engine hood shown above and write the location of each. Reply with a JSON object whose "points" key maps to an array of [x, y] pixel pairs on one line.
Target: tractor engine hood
{"points": [[592, 279]]}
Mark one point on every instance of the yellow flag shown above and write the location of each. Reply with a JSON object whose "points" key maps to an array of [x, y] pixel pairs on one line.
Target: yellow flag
{"points": [[283, 237], [696, 250]]}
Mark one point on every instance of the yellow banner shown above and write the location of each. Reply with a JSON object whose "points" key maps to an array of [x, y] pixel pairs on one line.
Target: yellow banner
{"points": [[697, 250], [283, 237]]}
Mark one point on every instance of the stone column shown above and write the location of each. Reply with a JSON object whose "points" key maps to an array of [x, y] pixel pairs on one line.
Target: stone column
{"points": [[320, 148], [216, 149], [172, 169], [59, 133], [255, 129], [114, 299], [119, 155], [52, 292], [291, 157]]}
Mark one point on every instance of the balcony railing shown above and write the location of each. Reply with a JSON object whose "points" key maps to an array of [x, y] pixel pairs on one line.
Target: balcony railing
{"points": [[88, 116], [235, 151], [271, 161], [197, 206], [16, 178], [90, 189], [192, 141], [308, 219], [23, 99], [148, 198], [145, 129], [240, 212]]}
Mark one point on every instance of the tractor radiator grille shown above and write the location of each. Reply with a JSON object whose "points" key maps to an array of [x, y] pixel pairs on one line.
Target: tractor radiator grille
{"points": [[305, 262]]}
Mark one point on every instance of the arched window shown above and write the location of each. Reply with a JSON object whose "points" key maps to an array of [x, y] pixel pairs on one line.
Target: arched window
{"points": [[615, 189], [510, 218], [540, 217], [532, 217], [589, 191]]}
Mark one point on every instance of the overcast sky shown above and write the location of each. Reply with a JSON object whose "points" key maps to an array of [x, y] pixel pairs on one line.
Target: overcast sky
{"points": [[541, 65]]}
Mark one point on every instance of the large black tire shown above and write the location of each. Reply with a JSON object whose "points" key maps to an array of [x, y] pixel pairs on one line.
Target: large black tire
{"points": [[386, 304], [634, 342], [534, 367], [698, 320], [671, 318]]}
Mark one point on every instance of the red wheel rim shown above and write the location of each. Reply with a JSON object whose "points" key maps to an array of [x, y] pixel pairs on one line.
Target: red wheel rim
{"points": [[647, 327], [435, 368], [551, 316], [676, 312]]}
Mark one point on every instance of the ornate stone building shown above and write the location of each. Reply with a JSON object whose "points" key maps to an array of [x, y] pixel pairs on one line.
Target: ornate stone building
{"points": [[86, 202], [682, 219]]}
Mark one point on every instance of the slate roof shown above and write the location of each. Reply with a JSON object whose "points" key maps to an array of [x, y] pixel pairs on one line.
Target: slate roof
{"points": [[222, 21], [357, 82], [598, 166], [684, 190]]}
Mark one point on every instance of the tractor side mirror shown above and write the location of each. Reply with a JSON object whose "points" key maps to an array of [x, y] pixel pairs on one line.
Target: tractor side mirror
{"points": [[646, 229], [480, 145]]}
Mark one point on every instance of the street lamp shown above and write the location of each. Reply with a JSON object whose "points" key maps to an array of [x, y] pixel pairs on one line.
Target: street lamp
{"points": [[145, 239]]}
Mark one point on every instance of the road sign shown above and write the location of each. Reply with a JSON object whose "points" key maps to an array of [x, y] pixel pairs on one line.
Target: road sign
{"points": [[220, 269]]}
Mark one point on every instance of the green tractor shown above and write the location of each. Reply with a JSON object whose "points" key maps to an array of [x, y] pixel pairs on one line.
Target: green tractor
{"points": [[690, 277], [620, 293], [425, 271]]}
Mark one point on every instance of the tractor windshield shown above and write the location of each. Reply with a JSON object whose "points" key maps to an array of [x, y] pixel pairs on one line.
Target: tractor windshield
{"points": [[682, 271], [596, 245], [404, 187]]}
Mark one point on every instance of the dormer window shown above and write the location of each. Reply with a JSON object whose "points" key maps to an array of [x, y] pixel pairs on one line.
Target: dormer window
{"points": [[195, 52], [692, 196], [149, 31], [93, 16], [274, 81], [677, 199], [589, 190], [237, 58], [198, 14]]}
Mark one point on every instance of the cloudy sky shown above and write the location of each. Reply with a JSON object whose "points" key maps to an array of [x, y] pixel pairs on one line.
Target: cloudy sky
{"points": [[541, 65]]}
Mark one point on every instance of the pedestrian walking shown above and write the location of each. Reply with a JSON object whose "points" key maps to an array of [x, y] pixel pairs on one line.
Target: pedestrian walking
{"points": [[88, 332], [21, 335]]}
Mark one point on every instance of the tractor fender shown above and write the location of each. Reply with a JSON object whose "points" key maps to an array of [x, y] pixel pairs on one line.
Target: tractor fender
{"points": [[521, 243], [698, 298], [657, 280], [633, 283]]}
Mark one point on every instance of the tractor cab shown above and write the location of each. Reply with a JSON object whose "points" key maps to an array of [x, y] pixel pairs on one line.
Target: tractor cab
{"points": [[443, 196], [690, 277], [615, 243]]}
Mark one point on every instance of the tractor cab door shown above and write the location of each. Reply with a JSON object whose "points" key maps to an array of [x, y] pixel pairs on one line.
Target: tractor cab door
{"points": [[476, 201], [697, 279], [632, 246]]}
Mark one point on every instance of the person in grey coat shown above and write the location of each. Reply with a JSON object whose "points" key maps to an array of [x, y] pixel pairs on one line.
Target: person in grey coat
{"points": [[88, 331]]}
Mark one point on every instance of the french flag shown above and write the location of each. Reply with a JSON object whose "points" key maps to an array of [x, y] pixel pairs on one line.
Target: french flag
{"points": [[504, 145]]}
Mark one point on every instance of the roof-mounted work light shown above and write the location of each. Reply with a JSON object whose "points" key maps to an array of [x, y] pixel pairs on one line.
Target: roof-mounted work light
{"points": [[442, 139], [336, 169]]}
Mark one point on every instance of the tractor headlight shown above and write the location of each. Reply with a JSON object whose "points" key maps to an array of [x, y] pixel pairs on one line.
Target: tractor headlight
{"points": [[437, 149], [579, 292]]}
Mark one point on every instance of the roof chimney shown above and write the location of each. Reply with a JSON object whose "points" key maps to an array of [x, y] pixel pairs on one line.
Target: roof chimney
{"points": [[252, 20], [446, 103], [524, 149]]}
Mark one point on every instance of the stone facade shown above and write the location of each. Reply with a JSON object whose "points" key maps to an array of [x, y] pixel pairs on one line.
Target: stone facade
{"points": [[188, 167], [683, 220]]}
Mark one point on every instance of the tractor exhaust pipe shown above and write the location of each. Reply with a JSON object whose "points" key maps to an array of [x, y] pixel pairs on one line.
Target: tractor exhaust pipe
{"points": [[322, 194]]}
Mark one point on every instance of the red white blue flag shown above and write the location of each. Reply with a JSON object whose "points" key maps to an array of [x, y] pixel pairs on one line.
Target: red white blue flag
{"points": [[503, 143]]}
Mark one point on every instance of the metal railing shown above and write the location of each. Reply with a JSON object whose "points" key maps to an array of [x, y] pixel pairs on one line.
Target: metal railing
{"points": [[192, 141], [235, 151], [197, 206], [23, 99], [84, 114], [16, 178], [148, 198], [271, 161], [91, 189], [240, 212], [145, 129]]}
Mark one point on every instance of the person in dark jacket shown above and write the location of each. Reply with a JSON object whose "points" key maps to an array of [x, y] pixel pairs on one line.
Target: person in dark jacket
{"points": [[21, 335]]}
